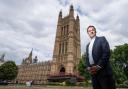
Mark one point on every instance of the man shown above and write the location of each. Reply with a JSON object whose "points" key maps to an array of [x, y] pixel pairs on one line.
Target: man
{"points": [[97, 59]]}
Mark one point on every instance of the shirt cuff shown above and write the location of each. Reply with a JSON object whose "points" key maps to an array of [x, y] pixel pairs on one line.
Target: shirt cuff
{"points": [[98, 67]]}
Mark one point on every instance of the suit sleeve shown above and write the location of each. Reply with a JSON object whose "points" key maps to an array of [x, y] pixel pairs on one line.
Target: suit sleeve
{"points": [[86, 57], [105, 53]]}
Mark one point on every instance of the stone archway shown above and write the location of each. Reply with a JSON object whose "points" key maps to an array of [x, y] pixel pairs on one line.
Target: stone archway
{"points": [[62, 69]]}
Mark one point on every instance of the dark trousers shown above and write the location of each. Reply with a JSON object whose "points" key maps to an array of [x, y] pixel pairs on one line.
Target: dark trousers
{"points": [[103, 82]]}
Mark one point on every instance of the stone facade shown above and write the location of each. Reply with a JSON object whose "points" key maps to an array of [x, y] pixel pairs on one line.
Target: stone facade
{"points": [[37, 73], [66, 54], [67, 51]]}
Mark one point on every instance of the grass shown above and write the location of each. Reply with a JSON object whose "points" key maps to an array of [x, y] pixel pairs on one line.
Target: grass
{"points": [[45, 87], [42, 87]]}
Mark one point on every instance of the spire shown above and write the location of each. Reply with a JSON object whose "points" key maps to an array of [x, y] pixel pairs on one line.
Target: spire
{"points": [[77, 18], [71, 12], [71, 7], [31, 52], [30, 56], [60, 16]]}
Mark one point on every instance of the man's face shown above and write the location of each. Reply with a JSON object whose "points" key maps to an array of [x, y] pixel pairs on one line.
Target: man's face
{"points": [[91, 32]]}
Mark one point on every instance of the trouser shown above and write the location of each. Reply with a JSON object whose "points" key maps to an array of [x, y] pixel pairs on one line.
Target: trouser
{"points": [[103, 82]]}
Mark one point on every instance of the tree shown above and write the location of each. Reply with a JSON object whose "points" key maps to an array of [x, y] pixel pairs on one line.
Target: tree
{"points": [[119, 61], [8, 71], [119, 74], [82, 68]]}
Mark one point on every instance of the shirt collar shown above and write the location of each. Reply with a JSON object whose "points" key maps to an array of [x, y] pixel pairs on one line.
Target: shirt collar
{"points": [[93, 38]]}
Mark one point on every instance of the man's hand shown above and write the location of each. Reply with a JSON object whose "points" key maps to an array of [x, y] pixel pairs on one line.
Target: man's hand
{"points": [[93, 70]]}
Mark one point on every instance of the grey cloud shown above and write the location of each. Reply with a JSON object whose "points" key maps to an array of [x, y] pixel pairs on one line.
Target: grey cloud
{"points": [[64, 2], [23, 26], [109, 17], [32, 24]]}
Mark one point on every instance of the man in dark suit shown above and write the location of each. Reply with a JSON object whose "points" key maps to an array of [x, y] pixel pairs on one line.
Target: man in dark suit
{"points": [[97, 59]]}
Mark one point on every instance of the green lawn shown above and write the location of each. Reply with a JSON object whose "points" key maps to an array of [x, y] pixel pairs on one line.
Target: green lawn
{"points": [[46, 87], [42, 87]]}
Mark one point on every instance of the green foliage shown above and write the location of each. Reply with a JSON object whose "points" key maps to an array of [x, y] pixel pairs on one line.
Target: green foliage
{"points": [[8, 70], [71, 82], [82, 69], [119, 61], [118, 73]]}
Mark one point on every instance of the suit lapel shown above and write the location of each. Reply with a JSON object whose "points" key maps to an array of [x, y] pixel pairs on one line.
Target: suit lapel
{"points": [[94, 43], [94, 47]]}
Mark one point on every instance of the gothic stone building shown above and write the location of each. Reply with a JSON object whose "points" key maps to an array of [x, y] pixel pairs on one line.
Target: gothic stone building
{"points": [[30, 70], [66, 54]]}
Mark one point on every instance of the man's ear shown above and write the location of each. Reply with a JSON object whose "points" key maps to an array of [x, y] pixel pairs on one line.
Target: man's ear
{"points": [[95, 31]]}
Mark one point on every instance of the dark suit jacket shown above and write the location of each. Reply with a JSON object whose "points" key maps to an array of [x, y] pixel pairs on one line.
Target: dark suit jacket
{"points": [[101, 55]]}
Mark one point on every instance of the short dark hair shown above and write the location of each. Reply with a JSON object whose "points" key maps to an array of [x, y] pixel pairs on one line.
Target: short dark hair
{"points": [[91, 26]]}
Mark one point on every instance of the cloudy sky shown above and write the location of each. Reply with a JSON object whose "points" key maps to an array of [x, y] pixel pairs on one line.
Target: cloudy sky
{"points": [[27, 24]]}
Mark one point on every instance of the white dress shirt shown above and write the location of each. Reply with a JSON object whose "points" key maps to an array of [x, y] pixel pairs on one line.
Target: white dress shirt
{"points": [[91, 61]]}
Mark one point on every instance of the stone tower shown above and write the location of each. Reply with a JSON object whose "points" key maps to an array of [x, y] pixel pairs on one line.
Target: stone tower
{"points": [[28, 60], [67, 52]]}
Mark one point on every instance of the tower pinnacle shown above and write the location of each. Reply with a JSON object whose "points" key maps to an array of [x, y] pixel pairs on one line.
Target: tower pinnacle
{"points": [[71, 12]]}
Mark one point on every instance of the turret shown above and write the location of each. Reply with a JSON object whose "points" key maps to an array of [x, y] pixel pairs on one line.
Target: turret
{"points": [[35, 60], [77, 18], [60, 16], [71, 11]]}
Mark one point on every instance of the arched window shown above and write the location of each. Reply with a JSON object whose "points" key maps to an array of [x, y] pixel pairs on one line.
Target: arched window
{"points": [[67, 29], [59, 48]]}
